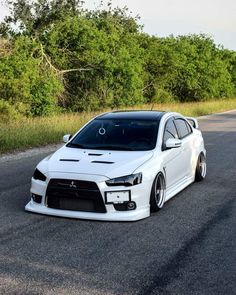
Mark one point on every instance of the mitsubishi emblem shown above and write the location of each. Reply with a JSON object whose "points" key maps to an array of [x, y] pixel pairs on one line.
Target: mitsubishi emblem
{"points": [[72, 185]]}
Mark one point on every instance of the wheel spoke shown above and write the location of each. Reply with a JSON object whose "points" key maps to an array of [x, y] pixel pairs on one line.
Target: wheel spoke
{"points": [[159, 191], [202, 166]]}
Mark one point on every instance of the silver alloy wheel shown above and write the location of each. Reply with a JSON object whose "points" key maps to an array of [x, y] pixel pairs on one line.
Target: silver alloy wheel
{"points": [[159, 189], [202, 166]]}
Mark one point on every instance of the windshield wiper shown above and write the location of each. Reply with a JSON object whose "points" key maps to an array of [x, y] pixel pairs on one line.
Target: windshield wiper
{"points": [[113, 147], [100, 147], [76, 145]]}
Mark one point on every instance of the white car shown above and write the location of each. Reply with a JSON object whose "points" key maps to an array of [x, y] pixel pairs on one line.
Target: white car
{"points": [[120, 166]]}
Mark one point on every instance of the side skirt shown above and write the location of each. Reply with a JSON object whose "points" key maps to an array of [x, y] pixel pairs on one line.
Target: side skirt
{"points": [[171, 192]]}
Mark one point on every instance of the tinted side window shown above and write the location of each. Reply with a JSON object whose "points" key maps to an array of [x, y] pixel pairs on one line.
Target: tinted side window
{"points": [[170, 131], [188, 126], [182, 127]]}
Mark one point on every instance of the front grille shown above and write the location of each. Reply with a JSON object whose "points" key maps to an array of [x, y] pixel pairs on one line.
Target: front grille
{"points": [[76, 195]]}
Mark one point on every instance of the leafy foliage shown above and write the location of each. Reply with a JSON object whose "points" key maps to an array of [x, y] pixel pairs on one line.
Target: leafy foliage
{"points": [[54, 55], [26, 80], [187, 68]]}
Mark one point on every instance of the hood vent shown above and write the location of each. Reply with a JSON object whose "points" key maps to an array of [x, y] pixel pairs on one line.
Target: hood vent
{"points": [[90, 154], [102, 162], [69, 160]]}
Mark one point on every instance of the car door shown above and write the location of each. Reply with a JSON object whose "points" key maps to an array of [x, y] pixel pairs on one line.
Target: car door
{"points": [[171, 157], [186, 136]]}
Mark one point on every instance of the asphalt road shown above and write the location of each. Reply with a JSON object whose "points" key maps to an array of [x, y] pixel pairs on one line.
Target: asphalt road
{"points": [[189, 247]]}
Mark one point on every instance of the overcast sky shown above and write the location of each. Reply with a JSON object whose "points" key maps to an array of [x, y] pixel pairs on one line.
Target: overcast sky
{"points": [[164, 17]]}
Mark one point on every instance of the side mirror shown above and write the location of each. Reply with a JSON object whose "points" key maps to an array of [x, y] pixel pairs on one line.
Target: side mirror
{"points": [[173, 143], [67, 137]]}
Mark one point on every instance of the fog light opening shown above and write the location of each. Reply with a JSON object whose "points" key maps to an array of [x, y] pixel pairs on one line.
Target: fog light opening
{"points": [[36, 198], [131, 205]]}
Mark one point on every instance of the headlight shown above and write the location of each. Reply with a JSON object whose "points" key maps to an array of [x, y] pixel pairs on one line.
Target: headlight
{"points": [[39, 175], [127, 180]]}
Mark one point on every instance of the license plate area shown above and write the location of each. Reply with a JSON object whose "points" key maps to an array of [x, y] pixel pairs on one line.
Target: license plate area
{"points": [[117, 197]]}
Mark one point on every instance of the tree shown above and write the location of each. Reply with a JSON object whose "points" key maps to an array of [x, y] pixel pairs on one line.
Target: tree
{"points": [[26, 81], [55, 53]]}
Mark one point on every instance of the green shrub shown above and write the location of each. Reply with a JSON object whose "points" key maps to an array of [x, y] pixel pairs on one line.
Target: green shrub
{"points": [[7, 111], [25, 79]]}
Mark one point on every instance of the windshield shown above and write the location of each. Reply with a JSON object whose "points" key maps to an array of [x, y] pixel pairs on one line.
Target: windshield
{"points": [[117, 134]]}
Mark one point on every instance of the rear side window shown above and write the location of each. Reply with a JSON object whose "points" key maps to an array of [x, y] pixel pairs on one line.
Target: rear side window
{"points": [[170, 131], [183, 128]]}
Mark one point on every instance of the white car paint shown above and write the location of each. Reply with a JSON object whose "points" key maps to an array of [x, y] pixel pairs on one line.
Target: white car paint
{"points": [[120, 167], [178, 166]]}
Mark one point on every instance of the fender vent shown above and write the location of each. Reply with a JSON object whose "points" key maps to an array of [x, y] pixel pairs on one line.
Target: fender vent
{"points": [[69, 160], [102, 162]]}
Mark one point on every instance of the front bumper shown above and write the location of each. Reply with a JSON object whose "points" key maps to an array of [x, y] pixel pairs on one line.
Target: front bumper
{"points": [[108, 216], [139, 194]]}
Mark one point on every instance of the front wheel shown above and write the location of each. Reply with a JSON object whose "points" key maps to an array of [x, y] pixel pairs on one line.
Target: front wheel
{"points": [[157, 197], [201, 168]]}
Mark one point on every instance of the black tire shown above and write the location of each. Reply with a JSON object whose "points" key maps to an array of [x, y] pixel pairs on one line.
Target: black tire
{"points": [[201, 168], [157, 197]]}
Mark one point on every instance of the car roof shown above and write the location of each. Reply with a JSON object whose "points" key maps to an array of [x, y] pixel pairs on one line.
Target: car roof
{"points": [[133, 115]]}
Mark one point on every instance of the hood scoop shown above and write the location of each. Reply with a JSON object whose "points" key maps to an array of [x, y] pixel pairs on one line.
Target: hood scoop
{"points": [[102, 162], [90, 154], [69, 160]]}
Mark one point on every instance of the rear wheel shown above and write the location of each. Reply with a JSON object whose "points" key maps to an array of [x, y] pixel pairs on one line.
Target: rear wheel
{"points": [[157, 197], [201, 168]]}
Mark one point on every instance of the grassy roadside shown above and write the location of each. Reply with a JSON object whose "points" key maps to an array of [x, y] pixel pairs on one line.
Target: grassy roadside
{"points": [[27, 133]]}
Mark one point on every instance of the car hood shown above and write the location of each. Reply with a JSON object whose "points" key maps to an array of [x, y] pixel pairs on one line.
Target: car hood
{"points": [[97, 162]]}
